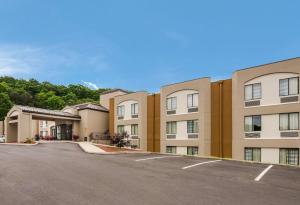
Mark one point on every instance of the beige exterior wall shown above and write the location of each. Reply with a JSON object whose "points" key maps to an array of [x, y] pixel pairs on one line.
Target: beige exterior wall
{"points": [[203, 115], [104, 98], [270, 142], [141, 121], [1, 127], [91, 121]]}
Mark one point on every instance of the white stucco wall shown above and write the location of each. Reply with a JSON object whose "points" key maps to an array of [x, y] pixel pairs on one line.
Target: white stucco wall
{"points": [[181, 150], [270, 126], [270, 87], [270, 155]]}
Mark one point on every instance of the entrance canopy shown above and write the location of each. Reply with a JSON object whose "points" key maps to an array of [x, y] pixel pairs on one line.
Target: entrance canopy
{"points": [[19, 119]]}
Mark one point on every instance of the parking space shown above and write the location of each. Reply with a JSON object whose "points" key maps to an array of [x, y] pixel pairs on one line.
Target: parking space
{"points": [[63, 174]]}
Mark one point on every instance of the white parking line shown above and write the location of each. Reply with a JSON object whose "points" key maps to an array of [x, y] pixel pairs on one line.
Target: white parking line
{"points": [[193, 165], [144, 159], [263, 173]]}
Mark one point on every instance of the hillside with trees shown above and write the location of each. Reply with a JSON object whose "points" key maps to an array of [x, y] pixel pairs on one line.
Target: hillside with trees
{"points": [[42, 94]]}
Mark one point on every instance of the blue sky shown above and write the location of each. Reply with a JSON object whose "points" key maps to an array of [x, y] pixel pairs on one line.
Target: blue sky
{"points": [[142, 45]]}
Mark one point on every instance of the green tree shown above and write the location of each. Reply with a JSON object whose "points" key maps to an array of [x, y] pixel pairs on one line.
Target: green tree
{"points": [[55, 103], [70, 99], [4, 87], [5, 105]]}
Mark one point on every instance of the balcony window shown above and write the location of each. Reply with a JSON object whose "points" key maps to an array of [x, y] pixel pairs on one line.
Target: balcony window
{"points": [[253, 91], [253, 123], [171, 103], [289, 86], [192, 100], [289, 121]]}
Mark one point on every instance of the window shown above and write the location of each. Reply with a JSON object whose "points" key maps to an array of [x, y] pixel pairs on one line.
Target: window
{"points": [[171, 127], [253, 123], [43, 124], [120, 129], [192, 100], [289, 121], [253, 91], [171, 103], [121, 111], [192, 126], [134, 109], [44, 133], [253, 154], [134, 130], [289, 86], [192, 150], [171, 149], [289, 156]]}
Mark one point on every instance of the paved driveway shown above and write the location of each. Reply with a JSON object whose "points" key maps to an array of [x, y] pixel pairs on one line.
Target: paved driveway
{"points": [[62, 174]]}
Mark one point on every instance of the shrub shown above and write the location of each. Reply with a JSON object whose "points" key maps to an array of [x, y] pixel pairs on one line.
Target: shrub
{"points": [[75, 137], [120, 140], [36, 137], [29, 141]]}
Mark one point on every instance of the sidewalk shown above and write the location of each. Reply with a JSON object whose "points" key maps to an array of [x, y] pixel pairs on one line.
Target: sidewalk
{"points": [[90, 148]]}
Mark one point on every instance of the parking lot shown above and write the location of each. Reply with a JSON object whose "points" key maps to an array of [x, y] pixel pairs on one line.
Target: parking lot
{"points": [[62, 174]]}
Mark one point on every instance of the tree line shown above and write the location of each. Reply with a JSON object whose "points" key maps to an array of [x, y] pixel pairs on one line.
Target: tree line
{"points": [[42, 94]]}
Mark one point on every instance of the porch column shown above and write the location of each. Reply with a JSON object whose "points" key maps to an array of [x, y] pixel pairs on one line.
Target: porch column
{"points": [[24, 127]]}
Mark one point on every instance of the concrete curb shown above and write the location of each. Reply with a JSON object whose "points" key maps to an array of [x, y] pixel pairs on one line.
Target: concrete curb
{"points": [[20, 144]]}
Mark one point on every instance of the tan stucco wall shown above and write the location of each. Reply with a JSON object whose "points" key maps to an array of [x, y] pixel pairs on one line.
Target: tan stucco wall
{"points": [[104, 98], [239, 111], [92, 121], [1, 127], [141, 99], [203, 115]]}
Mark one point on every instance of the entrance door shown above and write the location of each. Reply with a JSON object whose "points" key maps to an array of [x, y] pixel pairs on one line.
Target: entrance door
{"points": [[63, 132]]}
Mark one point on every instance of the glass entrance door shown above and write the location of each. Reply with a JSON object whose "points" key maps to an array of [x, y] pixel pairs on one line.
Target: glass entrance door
{"points": [[63, 132]]}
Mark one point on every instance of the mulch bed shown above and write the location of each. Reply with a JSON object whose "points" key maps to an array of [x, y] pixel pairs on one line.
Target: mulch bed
{"points": [[114, 149]]}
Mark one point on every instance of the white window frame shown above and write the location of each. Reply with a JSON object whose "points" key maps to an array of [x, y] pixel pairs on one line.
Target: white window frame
{"points": [[171, 130], [193, 103], [288, 87], [173, 103], [118, 129], [252, 92], [134, 109], [171, 148], [288, 121], [252, 123], [134, 127], [121, 111], [195, 126]]}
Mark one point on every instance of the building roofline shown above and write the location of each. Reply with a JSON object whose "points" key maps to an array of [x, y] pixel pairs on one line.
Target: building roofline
{"points": [[43, 111], [274, 62], [185, 81], [114, 90]]}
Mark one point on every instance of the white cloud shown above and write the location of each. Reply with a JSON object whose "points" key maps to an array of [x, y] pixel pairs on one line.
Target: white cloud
{"points": [[46, 62], [90, 85]]}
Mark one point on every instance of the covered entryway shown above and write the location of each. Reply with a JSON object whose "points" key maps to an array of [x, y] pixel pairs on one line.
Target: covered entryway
{"points": [[19, 123]]}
